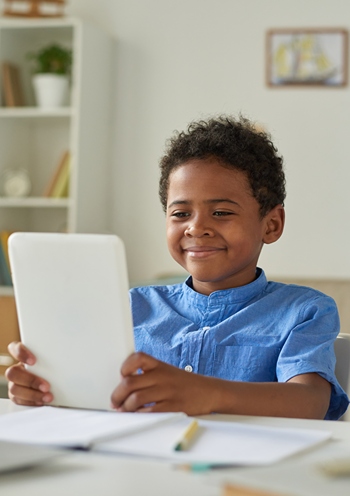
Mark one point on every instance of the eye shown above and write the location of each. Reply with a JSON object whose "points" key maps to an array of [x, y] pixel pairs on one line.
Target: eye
{"points": [[222, 213], [179, 215]]}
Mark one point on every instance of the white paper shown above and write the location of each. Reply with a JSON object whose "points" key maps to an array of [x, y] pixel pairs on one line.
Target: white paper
{"points": [[218, 443], [156, 434], [67, 427]]}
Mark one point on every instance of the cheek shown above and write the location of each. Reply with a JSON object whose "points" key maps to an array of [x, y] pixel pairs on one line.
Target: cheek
{"points": [[173, 235]]}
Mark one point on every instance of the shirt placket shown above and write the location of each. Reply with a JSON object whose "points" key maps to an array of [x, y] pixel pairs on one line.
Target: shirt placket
{"points": [[193, 341], [191, 349]]}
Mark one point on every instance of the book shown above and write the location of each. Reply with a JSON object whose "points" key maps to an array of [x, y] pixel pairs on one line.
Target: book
{"points": [[61, 187], [11, 85], [58, 185]]}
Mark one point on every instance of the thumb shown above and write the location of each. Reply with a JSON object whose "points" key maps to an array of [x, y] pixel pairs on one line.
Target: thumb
{"points": [[21, 353]]}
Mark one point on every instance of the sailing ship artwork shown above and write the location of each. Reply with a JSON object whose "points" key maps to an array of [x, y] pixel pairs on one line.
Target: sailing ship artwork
{"points": [[307, 57]]}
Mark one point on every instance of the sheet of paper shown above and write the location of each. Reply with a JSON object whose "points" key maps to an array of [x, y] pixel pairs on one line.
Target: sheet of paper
{"points": [[67, 427], [218, 443]]}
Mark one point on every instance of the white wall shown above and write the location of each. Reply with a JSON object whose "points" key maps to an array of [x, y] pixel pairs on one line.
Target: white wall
{"points": [[178, 60]]}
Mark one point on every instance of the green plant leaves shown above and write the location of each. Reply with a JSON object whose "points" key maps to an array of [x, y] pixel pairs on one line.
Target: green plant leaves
{"points": [[52, 59]]}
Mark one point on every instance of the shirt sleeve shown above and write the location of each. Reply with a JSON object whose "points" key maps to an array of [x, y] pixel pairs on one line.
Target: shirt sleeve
{"points": [[309, 348]]}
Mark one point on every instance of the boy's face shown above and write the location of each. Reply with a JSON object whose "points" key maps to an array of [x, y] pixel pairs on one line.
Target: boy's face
{"points": [[214, 228]]}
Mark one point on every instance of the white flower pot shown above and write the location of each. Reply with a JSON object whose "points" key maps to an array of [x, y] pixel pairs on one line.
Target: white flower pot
{"points": [[51, 90]]}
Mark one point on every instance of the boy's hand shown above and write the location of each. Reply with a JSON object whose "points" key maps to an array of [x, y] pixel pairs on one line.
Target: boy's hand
{"points": [[25, 388], [160, 388]]}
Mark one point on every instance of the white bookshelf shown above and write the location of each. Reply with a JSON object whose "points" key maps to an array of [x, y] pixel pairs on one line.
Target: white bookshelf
{"points": [[35, 139]]}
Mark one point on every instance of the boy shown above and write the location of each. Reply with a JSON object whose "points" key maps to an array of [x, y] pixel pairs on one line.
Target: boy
{"points": [[226, 340]]}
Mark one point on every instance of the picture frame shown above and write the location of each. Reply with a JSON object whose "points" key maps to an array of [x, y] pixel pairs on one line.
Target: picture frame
{"points": [[307, 57]]}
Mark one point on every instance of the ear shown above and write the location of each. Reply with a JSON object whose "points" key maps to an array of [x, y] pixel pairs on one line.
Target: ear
{"points": [[274, 224]]}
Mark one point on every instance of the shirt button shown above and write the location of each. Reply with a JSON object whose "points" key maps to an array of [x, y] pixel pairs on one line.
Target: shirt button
{"points": [[206, 328], [188, 368]]}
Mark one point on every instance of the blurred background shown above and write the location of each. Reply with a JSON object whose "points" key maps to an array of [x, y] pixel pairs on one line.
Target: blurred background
{"points": [[176, 61]]}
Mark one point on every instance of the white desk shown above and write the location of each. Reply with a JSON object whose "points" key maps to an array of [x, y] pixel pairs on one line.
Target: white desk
{"points": [[90, 474]]}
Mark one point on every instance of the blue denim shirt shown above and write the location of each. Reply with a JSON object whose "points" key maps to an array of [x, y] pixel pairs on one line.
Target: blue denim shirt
{"points": [[261, 332]]}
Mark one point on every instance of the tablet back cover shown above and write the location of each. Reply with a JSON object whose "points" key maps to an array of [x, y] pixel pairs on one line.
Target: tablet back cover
{"points": [[74, 314]]}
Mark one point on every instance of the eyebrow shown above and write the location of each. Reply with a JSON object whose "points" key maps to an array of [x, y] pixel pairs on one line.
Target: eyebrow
{"points": [[212, 201]]}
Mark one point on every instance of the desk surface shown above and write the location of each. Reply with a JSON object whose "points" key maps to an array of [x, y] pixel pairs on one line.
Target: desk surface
{"points": [[88, 473]]}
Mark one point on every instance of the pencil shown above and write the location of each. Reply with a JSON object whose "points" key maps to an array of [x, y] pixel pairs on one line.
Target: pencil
{"points": [[187, 436]]}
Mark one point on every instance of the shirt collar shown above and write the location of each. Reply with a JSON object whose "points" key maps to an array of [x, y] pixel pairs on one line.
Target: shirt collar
{"points": [[233, 295]]}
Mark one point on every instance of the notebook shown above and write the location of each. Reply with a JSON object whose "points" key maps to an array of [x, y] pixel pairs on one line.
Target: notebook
{"points": [[156, 435], [75, 428], [71, 293]]}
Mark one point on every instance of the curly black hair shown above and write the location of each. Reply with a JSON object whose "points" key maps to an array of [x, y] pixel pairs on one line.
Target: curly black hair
{"points": [[238, 145]]}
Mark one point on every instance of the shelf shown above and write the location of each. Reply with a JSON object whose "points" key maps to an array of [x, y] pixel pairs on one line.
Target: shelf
{"points": [[35, 202], [36, 112], [34, 139], [35, 22]]}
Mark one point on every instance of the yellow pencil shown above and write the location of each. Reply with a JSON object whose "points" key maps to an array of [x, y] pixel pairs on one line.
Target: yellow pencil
{"points": [[187, 436]]}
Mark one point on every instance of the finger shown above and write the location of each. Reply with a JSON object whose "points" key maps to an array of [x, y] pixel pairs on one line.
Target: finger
{"points": [[143, 398], [138, 361], [136, 402], [18, 401], [21, 353], [127, 386], [25, 396], [22, 377]]}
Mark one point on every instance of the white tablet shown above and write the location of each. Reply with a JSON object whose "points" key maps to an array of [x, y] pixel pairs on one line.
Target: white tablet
{"points": [[74, 313]]}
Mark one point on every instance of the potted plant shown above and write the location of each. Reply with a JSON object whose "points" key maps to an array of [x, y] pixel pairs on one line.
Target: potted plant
{"points": [[52, 70]]}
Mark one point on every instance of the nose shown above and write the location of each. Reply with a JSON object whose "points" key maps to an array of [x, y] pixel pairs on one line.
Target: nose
{"points": [[196, 230]]}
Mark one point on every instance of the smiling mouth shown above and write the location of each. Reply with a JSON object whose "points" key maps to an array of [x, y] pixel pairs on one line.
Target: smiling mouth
{"points": [[202, 251]]}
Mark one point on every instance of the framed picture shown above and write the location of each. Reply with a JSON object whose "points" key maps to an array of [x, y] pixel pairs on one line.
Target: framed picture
{"points": [[315, 57]]}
